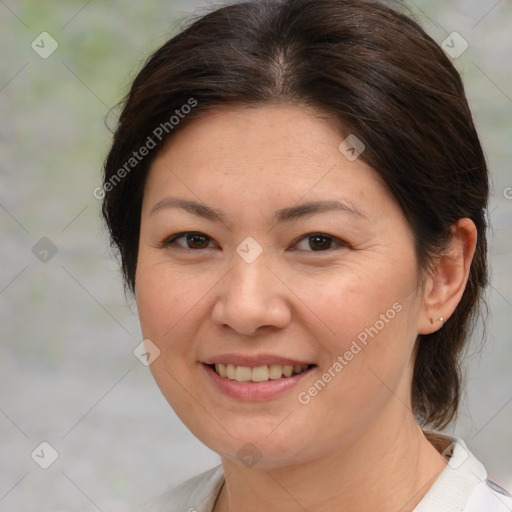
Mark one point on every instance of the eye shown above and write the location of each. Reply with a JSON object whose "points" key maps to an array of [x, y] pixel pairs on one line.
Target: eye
{"points": [[314, 242], [318, 242], [192, 240]]}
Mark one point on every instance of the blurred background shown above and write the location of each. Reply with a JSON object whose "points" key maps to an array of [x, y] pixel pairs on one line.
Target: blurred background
{"points": [[68, 375]]}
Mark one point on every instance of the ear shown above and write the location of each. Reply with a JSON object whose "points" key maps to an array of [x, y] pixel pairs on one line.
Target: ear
{"points": [[444, 288]]}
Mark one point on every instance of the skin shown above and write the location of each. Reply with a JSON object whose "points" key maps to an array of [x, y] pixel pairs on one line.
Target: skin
{"points": [[355, 446]]}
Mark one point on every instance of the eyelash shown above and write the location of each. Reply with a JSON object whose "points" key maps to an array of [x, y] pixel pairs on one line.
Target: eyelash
{"points": [[170, 241]]}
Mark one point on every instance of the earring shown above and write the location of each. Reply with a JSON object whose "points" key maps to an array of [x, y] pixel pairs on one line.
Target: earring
{"points": [[441, 319]]}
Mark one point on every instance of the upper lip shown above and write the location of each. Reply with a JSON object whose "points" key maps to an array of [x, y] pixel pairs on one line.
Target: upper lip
{"points": [[253, 361]]}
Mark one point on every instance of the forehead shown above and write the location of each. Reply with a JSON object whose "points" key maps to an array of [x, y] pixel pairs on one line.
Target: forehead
{"points": [[261, 154], [238, 133]]}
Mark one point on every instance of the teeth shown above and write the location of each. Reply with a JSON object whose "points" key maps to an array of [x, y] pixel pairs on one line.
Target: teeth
{"points": [[242, 373], [223, 372], [258, 373], [287, 370], [275, 371]]}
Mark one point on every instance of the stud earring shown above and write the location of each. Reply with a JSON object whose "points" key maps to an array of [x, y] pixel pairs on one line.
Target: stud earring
{"points": [[441, 319]]}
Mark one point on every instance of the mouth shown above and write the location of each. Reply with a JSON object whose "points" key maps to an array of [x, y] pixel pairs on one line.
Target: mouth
{"points": [[261, 373]]}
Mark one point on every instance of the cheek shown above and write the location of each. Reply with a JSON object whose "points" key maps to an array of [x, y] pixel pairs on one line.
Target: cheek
{"points": [[368, 321], [165, 296], [349, 302], [156, 302], [165, 301]]}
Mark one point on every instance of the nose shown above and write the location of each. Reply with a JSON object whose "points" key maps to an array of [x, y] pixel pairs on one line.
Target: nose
{"points": [[251, 298]]}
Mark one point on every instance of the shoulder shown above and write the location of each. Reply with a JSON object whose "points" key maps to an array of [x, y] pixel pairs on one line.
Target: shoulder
{"points": [[195, 495], [489, 497], [463, 485]]}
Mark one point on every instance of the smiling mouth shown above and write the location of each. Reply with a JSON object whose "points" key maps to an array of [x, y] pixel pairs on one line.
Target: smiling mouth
{"points": [[262, 373]]}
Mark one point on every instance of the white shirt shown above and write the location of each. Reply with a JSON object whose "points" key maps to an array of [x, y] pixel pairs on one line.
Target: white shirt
{"points": [[461, 487]]}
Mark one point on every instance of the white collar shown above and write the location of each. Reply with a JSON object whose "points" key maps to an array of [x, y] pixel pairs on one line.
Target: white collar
{"points": [[463, 485]]}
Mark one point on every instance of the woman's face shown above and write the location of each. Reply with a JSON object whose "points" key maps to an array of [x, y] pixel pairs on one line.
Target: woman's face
{"points": [[266, 273]]}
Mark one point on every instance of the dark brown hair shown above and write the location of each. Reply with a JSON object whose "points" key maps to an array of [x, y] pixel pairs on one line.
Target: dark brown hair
{"points": [[381, 76]]}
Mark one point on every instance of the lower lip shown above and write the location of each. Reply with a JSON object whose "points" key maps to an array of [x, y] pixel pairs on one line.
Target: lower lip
{"points": [[253, 391]]}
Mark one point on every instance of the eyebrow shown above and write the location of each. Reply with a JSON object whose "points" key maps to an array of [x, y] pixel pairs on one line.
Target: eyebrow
{"points": [[280, 216]]}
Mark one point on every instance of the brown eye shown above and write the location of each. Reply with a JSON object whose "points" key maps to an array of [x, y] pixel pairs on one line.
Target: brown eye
{"points": [[318, 242], [192, 240]]}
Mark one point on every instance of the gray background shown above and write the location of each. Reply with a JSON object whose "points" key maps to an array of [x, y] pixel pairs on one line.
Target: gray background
{"points": [[67, 372]]}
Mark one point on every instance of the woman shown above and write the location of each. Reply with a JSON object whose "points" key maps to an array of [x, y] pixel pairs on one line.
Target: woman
{"points": [[298, 196]]}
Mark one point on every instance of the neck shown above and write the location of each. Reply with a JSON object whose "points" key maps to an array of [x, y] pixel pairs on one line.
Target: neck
{"points": [[382, 469]]}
